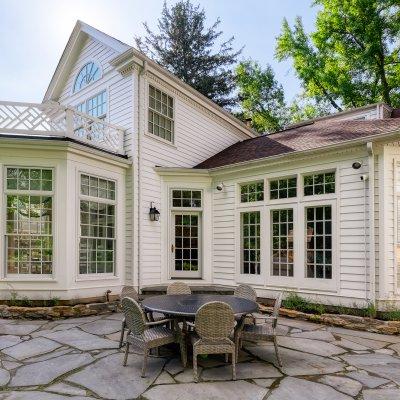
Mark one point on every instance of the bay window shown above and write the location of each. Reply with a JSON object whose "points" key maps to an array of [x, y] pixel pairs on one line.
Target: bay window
{"points": [[97, 225], [29, 220]]}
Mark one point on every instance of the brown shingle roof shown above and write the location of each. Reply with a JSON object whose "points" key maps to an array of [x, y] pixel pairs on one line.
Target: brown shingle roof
{"points": [[307, 137]]}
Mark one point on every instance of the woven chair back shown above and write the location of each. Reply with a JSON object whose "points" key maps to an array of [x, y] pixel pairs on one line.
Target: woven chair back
{"points": [[277, 306], [214, 321], [129, 291], [245, 292], [134, 316], [178, 288]]}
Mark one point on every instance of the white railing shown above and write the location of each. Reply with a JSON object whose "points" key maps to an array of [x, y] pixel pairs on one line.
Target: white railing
{"points": [[53, 120]]}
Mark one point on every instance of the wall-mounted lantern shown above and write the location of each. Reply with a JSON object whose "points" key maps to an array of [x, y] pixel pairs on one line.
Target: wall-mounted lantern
{"points": [[154, 213]]}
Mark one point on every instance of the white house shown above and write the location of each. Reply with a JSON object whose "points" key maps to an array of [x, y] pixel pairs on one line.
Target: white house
{"points": [[311, 209]]}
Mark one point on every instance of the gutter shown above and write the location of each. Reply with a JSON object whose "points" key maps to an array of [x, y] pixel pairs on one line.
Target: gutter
{"points": [[372, 265], [285, 156]]}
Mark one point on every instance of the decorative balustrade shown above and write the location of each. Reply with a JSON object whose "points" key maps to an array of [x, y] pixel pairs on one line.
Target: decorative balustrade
{"points": [[50, 119]]}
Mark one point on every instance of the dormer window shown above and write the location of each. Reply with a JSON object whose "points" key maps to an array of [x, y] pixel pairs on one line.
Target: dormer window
{"points": [[89, 73]]}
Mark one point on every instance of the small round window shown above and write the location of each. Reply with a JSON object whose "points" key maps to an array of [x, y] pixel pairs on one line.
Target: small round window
{"points": [[89, 73]]}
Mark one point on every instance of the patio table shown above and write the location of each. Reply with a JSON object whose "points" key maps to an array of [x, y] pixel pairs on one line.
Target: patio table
{"points": [[187, 305]]}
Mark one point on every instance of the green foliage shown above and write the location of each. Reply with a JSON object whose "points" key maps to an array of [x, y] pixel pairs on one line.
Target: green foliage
{"points": [[392, 315], [53, 301], [303, 108], [13, 299], [296, 302], [261, 97], [186, 47], [352, 57]]}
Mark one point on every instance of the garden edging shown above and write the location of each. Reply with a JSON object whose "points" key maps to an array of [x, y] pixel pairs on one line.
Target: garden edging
{"points": [[346, 321], [56, 312]]}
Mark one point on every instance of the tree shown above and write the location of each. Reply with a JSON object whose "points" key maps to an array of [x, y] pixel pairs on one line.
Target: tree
{"points": [[303, 108], [352, 58], [188, 49], [261, 97]]}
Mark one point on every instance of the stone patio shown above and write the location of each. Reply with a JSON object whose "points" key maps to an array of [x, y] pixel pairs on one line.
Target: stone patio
{"points": [[79, 359]]}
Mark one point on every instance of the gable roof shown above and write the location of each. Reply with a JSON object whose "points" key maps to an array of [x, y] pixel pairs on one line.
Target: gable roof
{"points": [[80, 32], [309, 136], [125, 54]]}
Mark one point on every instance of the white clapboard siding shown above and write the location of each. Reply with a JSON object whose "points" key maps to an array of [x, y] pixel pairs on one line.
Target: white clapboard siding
{"points": [[92, 50], [351, 244], [119, 112], [198, 136]]}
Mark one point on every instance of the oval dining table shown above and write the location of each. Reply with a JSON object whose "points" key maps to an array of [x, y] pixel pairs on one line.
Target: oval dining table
{"points": [[187, 305]]}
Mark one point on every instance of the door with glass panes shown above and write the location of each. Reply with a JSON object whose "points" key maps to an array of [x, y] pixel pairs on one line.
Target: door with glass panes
{"points": [[186, 234]]}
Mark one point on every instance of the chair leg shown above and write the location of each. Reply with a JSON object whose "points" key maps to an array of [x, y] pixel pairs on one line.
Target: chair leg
{"points": [[234, 364], [195, 376], [126, 354], [182, 346], [277, 352], [145, 355], [121, 339]]}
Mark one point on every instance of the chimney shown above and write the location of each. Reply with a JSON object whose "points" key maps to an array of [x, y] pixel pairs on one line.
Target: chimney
{"points": [[248, 122]]}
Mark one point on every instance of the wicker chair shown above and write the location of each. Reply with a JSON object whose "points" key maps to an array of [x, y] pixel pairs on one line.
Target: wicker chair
{"points": [[265, 331], [178, 288], [246, 292], [213, 324], [147, 335], [127, 291]]}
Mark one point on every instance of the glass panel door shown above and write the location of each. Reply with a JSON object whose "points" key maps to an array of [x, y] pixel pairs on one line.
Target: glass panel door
{"points": [[186, 246]]}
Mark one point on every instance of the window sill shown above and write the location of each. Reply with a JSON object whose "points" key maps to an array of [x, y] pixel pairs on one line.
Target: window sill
{"points": [[161, 140], [96, 277], [28, 278]]}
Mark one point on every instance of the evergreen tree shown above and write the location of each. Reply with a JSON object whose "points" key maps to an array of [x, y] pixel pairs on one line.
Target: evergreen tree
{"points": [[188, 49]]}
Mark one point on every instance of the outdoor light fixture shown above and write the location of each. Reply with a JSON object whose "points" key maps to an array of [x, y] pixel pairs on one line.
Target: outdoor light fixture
{"points": [[356, 165], [154, 213]]}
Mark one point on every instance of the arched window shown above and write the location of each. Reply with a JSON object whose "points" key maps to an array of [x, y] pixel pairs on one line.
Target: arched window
{"points": [[89, 73]]}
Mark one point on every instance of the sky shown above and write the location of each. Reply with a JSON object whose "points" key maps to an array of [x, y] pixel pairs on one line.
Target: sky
{"points": [[33, 34]]}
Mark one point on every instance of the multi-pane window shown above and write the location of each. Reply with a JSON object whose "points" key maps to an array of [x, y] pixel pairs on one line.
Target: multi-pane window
{"points": [[250, 226], [319, 242], [283, 188], [282, 242], [97, 226], [95, 106], [161, 114], [252, 192], [89, 73], [186, 198], [323, 183], [29, 221], [187, 237]]}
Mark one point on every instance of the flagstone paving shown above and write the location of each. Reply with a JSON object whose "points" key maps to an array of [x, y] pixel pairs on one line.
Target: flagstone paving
{"points": [[79, 359]]}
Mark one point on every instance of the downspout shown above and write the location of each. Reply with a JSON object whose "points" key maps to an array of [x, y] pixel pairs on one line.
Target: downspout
{"points": [[371, 173], [139, 156]]}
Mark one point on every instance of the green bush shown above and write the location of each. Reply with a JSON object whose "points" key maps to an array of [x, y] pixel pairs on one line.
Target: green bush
{"points": [[295, 302]]}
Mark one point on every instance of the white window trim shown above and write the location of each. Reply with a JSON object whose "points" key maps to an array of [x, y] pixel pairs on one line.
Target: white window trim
{"points": [[298, 281], [275, 279], [89, 84], [29, 277], [247, 204], [283, 200], [316, 197], [153, 136], [106, 275], [249, 278]]}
